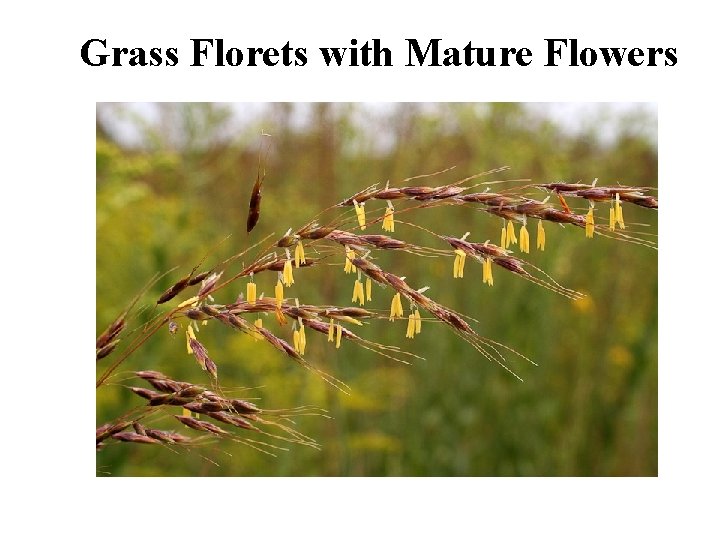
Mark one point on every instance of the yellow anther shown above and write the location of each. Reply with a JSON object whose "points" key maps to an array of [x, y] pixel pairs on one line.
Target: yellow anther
{"points": [[360, 211], [288, 273], [459, 264], [258, 324], [589, 224], [388, 223], [618, 212], [410, 332], [338, 336], [358, 293], [396, 309], [189, 302], [524, 239], [503, 238], [612, 218], [303, 340], [540, 236], [368, 289], [279, 293], [511, 238], [487, 272], [418, 321], [349, 256], [331, 330], [299, 254], [251, 292], [296, 341], [189, 334]]}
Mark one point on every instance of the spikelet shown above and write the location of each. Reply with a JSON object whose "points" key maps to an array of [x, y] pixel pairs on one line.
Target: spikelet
{"points": [[388, 223]]}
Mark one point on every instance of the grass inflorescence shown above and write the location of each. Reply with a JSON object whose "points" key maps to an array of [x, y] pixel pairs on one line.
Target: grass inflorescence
{"points": [[345, 242]]}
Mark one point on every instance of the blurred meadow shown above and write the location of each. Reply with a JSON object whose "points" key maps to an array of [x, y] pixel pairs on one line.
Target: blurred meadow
{"points": [[173, 180]]}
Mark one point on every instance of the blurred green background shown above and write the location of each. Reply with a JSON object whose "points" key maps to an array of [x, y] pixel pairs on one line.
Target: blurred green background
{"points": [[174, 179]]}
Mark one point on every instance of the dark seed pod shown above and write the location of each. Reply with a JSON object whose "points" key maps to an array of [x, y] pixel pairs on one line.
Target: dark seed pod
{"points": [[173, 291], [106, 350], [197, 279]]}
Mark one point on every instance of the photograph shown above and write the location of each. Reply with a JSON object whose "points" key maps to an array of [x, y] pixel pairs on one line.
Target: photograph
{"points": [[376, 289]]}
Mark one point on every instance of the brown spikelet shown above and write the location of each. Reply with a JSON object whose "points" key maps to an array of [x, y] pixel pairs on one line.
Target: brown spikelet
{"points": [[167, 436], [174, 290], [109, 429], [106, 350], [208, 283], [255, 199], [240, 406], [313, 231], [148, 374], [110, 333], [167, 385], [191, 390], [198, 278], [158, 398], [127, 436], [200, 425], [279, 344], [634, 195], [231, 419], [206, 407], [201, 355]]}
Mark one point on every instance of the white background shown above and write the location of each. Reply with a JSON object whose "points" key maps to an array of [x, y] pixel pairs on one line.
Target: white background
{"points": [[48, 102]]}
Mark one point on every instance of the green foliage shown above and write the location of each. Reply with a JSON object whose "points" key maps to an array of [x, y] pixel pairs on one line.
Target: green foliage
{"points": [[590, 408]]}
